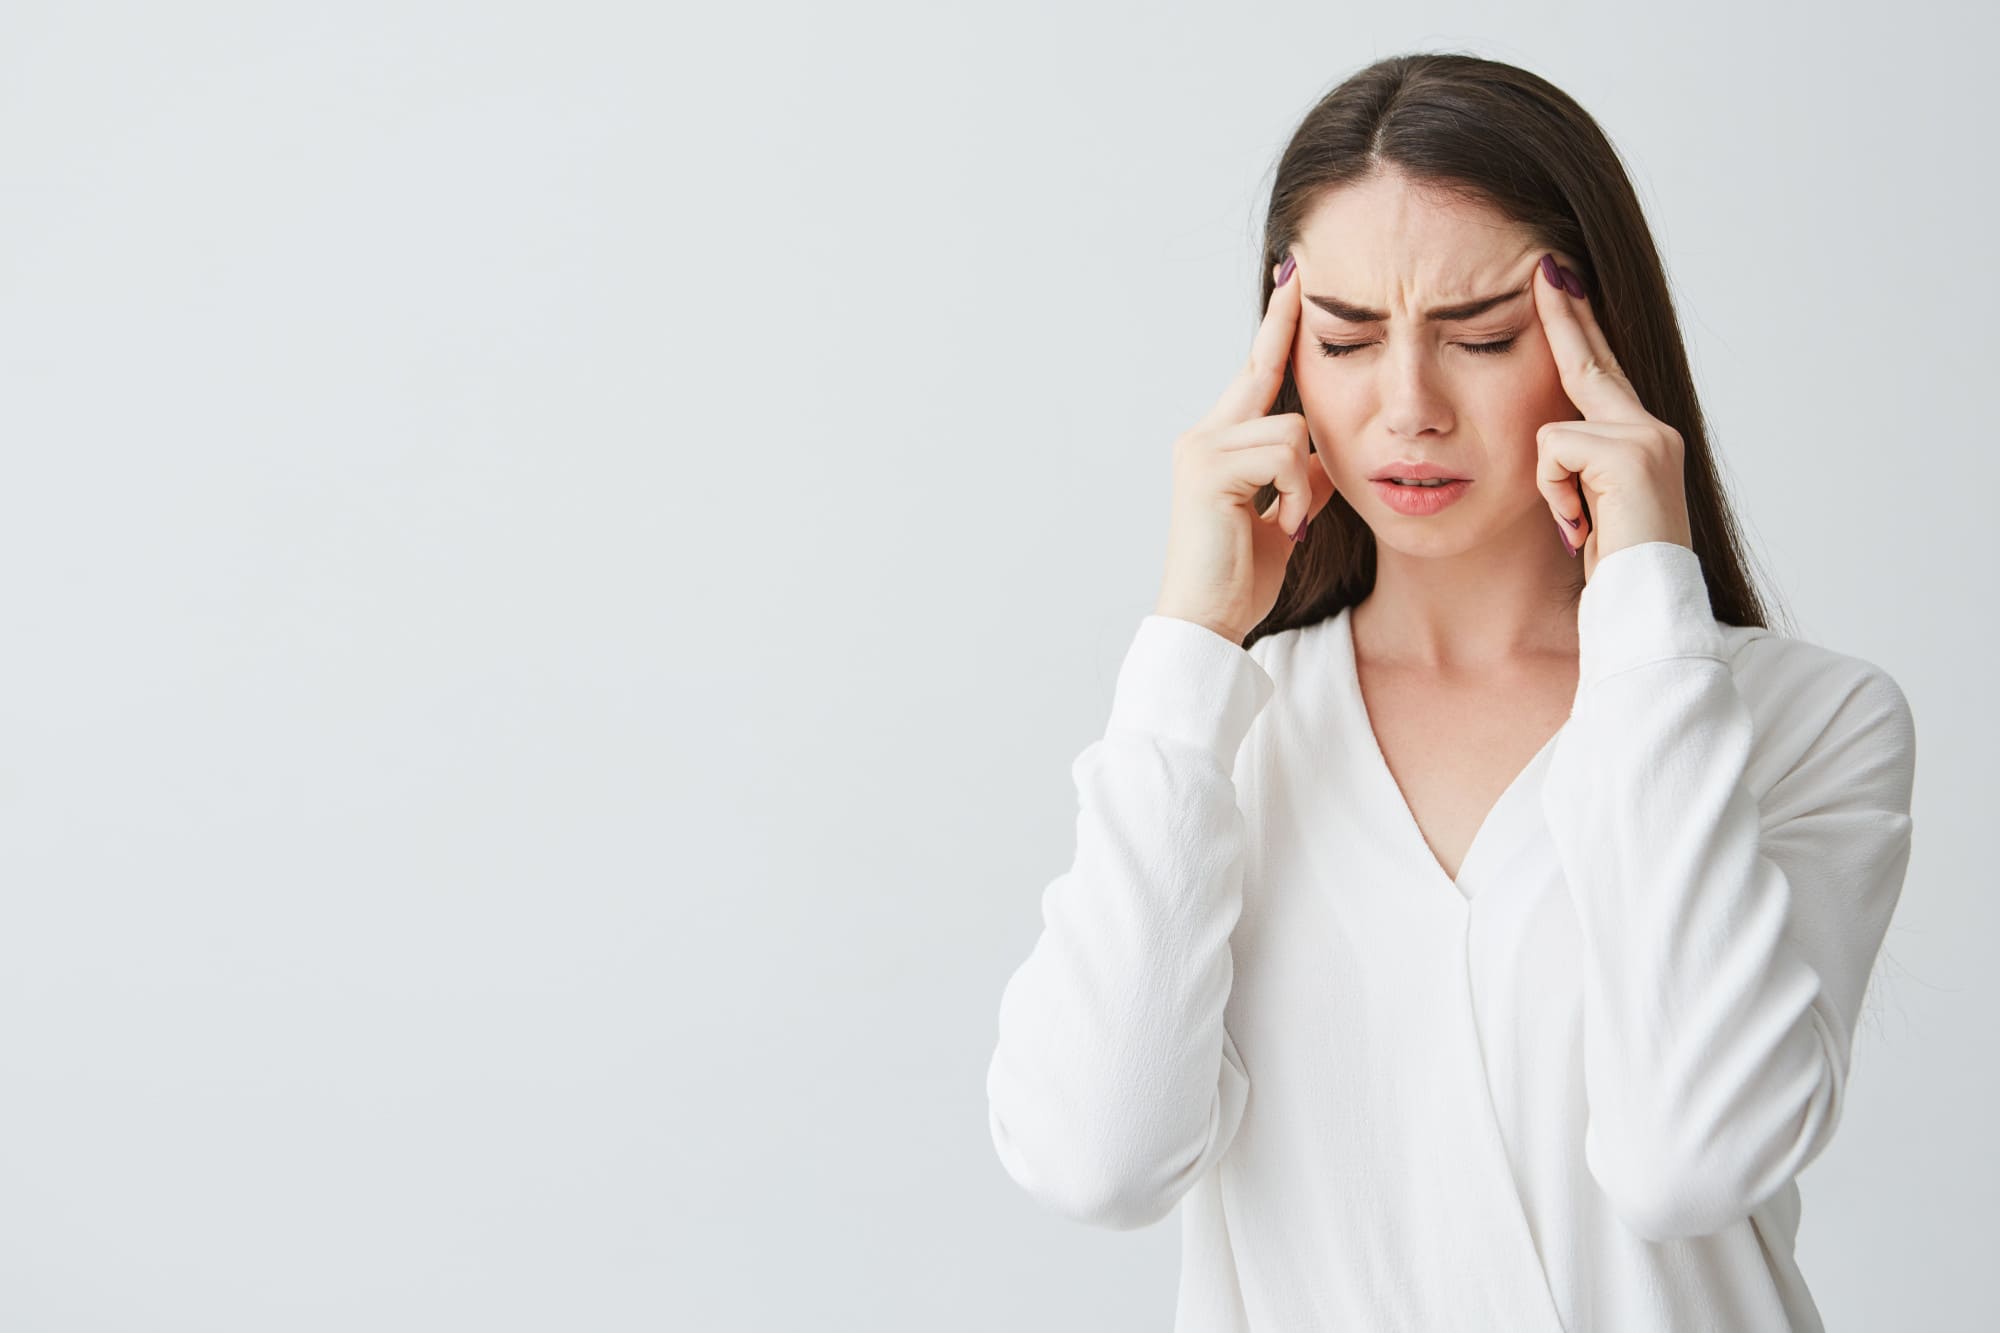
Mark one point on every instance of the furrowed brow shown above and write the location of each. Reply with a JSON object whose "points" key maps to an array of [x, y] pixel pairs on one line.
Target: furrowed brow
{"points": [[1356, 314]]}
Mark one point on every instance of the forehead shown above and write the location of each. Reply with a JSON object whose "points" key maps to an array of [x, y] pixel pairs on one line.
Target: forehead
{"points": [[1386, 237]]}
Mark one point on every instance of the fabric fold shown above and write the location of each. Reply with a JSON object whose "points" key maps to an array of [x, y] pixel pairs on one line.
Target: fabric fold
{"points": [[1113, 1086], [1725, 954]]}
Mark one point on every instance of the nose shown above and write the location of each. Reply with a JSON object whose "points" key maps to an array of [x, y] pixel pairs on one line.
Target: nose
{"points": [[1413, 401]]}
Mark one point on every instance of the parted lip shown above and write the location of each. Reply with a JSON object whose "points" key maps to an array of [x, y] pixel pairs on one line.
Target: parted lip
{"points": [[1404, 467]]}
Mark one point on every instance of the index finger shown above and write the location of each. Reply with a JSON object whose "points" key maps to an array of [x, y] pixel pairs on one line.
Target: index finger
{"points": [[1256, 386], [1591, 375]]}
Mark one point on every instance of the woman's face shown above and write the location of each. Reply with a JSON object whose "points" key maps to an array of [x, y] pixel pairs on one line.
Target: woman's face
{"points": [[1401, 384]]}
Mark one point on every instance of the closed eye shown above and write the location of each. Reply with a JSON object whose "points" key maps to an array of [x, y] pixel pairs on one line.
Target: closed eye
{"points": [[1488, 349]]}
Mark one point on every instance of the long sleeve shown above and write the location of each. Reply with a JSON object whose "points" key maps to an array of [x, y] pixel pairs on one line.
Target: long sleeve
{"points": [[1728, 940], [1113, 1085]]}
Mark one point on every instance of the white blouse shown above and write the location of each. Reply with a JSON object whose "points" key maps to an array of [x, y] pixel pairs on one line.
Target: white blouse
{"points": [[1569, 1090]]}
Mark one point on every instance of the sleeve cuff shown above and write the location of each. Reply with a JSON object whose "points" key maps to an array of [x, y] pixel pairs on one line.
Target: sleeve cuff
{"points": [[1644, 603], [1185, 681]]}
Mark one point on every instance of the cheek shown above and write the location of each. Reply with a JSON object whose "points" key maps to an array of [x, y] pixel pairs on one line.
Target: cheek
{"points": [[1327, 389], [1513, 407]]}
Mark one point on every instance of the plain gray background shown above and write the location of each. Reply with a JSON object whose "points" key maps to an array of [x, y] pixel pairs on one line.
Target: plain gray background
{"points": [[557, 557]]}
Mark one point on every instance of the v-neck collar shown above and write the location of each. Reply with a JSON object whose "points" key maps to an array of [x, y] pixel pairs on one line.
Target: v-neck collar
{"points": [[1395, 807]]}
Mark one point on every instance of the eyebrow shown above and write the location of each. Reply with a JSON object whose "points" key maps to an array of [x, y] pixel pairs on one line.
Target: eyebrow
{"points": [[1347, 310]]}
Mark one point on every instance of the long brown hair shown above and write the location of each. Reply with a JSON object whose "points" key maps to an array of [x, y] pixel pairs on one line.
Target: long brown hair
{"points": [[1482, 130]]}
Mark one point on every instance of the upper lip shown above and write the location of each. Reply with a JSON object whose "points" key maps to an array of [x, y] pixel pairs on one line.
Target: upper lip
{"points": [[1414, 471]]}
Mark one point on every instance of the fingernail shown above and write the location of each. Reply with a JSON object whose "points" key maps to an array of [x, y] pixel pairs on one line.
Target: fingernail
{"points": [[1549, 272], [1571, 283], [1576, 522], [1285, 272], [1565, 541], [1300, 535]]}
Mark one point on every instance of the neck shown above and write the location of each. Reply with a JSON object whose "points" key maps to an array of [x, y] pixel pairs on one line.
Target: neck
{"points": [[1508, 598]]}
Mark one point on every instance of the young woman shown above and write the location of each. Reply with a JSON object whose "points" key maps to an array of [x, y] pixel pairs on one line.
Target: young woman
{"points": [[1467, 933]]}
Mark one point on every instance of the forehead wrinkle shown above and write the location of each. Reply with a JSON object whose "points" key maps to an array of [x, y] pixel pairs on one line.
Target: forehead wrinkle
{"points": [[1450, 312]]}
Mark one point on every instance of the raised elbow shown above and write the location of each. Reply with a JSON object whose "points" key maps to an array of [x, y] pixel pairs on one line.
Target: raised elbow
{"points": [[1111, 1204], [1661, 1210], [1662, 1194], [1083, 1187]]}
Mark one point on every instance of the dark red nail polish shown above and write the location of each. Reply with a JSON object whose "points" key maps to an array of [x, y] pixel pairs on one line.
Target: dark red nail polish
{"points": [[1549, 271], [1571, 283], [1285, 269]]}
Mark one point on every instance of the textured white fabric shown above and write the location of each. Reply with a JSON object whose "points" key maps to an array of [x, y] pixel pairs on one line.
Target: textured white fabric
{"points": [[1569, 1090]]}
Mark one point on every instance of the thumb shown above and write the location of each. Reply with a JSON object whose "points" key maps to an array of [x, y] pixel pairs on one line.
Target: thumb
{"points": [[1322, 490]]}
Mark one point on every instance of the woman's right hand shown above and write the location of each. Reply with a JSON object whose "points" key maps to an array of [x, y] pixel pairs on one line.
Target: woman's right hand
{"points": [[1225, 561]]}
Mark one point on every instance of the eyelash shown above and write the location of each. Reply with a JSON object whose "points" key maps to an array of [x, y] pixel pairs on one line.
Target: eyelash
{"points": [[1486, 349]]}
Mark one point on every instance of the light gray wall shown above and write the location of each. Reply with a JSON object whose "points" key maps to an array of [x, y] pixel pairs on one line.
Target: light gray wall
{"points": [[556, 557]]}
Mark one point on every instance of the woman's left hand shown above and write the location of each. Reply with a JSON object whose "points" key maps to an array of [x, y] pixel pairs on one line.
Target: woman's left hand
{"points": [[1626, 461]]}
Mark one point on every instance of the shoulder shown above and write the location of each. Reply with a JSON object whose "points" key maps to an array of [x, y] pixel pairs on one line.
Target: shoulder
{"points": [[1650, 601], [1295, 661], [1298, 661], [1815, 709], [1274, 651], [1777, 670]]}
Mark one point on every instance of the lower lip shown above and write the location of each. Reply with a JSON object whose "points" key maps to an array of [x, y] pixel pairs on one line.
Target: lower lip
{"points": [[1419, 500]]}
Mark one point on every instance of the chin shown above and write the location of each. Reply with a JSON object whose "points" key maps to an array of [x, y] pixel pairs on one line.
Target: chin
{"points": [[1434, 541]]}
